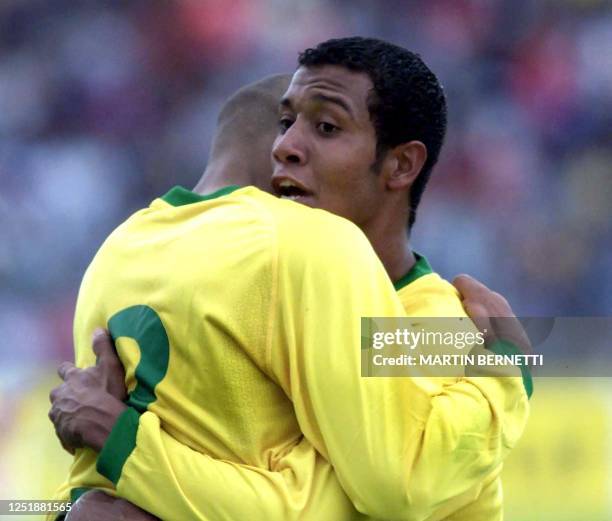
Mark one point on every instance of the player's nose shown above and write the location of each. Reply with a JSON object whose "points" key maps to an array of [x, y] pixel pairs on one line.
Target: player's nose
{"points": [[289, 147]]}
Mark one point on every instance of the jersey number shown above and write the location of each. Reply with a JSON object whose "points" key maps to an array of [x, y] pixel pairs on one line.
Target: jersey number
{"points": [[143, 325]]}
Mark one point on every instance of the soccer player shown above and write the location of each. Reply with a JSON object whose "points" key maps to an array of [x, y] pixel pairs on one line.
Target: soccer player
{"points": [[317, 391]]}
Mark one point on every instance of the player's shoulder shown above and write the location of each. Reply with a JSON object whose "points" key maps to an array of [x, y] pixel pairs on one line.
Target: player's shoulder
{"points": [[292, 215], [236, 211], [292, 231], [312, 233], [281, 214]]}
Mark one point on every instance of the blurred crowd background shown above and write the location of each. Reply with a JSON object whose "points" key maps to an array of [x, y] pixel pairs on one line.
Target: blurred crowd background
{"points": [[105, 105]]}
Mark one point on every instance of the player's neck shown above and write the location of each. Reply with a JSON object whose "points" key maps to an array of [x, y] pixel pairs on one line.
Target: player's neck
{"points": [[391, 242], [395, 253], [216, 176], [222, 172]]}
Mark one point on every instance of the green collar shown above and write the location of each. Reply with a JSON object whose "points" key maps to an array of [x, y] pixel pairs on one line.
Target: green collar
{"points": [[179, 196], [421, 267]]}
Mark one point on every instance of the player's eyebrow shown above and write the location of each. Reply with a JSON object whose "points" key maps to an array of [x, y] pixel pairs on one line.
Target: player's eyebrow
{"points": [[336, 100], [324, 98]]}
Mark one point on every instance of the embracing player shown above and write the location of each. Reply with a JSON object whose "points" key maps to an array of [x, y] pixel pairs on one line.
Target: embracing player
{"points": [[306, 278]]}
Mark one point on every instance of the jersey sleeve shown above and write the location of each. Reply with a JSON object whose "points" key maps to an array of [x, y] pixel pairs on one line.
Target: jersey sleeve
{"points": [[401, 447], [167, 478]]}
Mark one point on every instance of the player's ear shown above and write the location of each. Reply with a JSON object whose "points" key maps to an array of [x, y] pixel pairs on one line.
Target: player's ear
{"points": [[408, 161]]}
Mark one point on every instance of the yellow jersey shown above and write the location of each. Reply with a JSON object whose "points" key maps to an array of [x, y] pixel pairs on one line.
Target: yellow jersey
{"points": [[237, 317]]}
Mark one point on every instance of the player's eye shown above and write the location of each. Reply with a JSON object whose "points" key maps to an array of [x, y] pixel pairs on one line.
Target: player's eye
{"points": [[327, 128], [284, 123]]}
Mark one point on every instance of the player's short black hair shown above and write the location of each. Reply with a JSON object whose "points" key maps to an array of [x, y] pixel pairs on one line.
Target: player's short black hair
{"points": [[407, 102]]}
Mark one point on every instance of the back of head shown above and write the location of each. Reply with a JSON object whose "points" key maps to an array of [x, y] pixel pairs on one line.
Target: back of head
{"points": [[407, 102], [246, 128]]}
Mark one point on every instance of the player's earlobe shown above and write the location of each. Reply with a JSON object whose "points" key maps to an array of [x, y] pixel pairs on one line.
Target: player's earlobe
{"points": [[409, 160]]}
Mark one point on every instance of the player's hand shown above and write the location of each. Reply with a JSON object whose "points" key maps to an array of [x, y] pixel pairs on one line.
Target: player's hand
{"points": [[97, 505], [86, 406], [491, 313]]}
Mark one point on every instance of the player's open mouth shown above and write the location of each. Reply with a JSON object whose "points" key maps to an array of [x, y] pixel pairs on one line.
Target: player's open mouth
{"points": [[289, 189]]}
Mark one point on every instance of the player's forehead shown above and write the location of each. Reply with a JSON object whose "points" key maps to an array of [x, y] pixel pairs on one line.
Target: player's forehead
{"points": [[316, 84]]}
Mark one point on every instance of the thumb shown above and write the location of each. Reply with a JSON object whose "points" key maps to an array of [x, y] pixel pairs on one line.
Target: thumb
{"points": [[104, 348], [108, 364]]}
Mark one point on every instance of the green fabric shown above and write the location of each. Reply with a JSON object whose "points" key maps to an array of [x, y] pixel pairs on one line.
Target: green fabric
{"points": [[421, 267], [119, 445], [142, 324], [179, 196], [503, 347], [76, 493]]}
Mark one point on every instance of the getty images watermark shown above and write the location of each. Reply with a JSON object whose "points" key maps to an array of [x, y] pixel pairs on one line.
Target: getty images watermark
{"points": [[546, 346]]}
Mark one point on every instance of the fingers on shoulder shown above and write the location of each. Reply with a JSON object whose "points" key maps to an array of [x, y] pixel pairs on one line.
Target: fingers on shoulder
{"points": [[469, 287]]}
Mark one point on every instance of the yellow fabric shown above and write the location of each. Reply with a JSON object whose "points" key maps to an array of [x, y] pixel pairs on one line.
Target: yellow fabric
{"points": [[261, 301]]}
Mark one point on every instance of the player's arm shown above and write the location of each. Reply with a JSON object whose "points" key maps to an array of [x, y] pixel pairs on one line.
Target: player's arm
{"points": [[175, 482], [401, 447]]}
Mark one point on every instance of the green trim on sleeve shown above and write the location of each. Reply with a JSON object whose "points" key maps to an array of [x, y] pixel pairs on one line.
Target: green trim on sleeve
{"points": [[76, 493], [504, 347], [179, 196], [421, 267], [119, 445]]}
